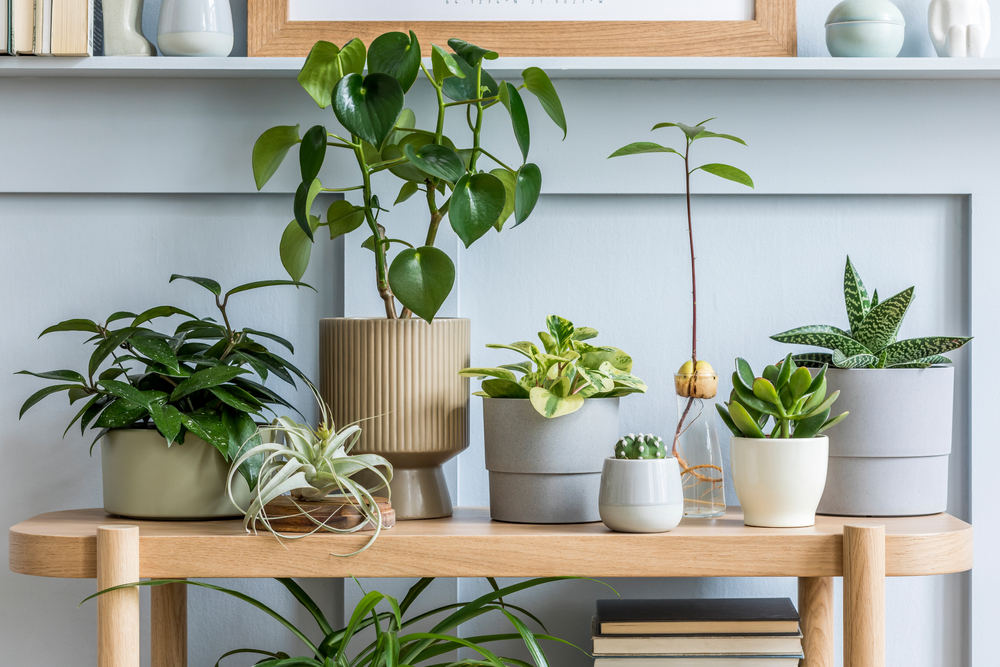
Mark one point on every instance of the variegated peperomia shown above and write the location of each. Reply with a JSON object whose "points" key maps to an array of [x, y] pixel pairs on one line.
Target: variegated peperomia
{"points": [[560, 376], [871, 340]]}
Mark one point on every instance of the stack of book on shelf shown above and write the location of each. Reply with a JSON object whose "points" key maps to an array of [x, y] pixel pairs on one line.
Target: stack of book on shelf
{"points": [[734, 632], [49, 27]]}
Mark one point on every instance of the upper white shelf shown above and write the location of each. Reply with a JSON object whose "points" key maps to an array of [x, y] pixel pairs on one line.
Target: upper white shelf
{"points": [[563, 68]]}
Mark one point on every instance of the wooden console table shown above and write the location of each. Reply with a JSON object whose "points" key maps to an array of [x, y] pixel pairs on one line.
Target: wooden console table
{"points": [[90, 544]]}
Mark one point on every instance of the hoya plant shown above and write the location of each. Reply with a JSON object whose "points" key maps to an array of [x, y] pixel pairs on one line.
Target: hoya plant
{"points": [[459, 177], [785, 401], [205, 376], [871, 339], [560, 375]]}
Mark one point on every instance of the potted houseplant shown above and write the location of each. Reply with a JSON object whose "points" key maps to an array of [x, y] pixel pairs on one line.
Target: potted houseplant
{"points": [[401, 369], [641, 487], [779, 474], [172, 410], [695, 441], [547, 421], [402, 635], [892, 458]]}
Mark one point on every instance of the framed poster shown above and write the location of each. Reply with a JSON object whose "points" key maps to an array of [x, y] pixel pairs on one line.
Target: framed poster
{"points": [[534, 27]]}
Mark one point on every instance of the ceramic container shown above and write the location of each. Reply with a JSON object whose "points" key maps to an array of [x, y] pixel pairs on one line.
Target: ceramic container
{"points": [[890, 456], [401, 378], [547, 470], [959, 28], [865, 28], [145, 479], [123, 29], [641, 495], [195, 28], [779, 481]]}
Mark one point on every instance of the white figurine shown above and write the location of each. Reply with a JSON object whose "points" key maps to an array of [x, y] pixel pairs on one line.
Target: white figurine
{"points": [[959, 28]]}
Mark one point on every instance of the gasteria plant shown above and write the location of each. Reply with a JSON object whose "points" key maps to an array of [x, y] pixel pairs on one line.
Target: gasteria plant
{"points": [[310, 464], [871, 341], [788, 394], [558, 378], [396, 641], [383, 135], [195, 379]]}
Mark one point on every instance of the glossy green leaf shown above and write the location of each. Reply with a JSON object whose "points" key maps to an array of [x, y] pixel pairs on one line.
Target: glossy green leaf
{"points": [[551, 405], [527, 188], [305, 195], [784, 372], [511, 99], [209, 284], [462, 88], [107, 348], [203, 379], [344, 217], [312, 151], [509, 180], [408, 190], [157, 312], [257, 284], [799, 383], [396, 54], [727, 172], [744, 374], [295, 248], [705, 134], [690, 131], [368, 106], [638, 147], [168, 421], [503, 388], [501, 373], [42, 393], [62, 375], [476, 205], [269, 151], [471, 53], [422, 278], [436, 160], [155, 347], [443, 64], [326, 65], [537, 82], [744, 422], [810, 426], [765, 391], [120, 413]]}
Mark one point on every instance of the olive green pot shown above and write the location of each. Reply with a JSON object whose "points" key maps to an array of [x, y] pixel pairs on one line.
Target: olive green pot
{"points": [[145, 479]]}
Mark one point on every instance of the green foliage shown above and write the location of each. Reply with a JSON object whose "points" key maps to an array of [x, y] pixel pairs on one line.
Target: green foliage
{"points": [[205, 377], [396, 641], [871, 341], [642, 446], [566, 370], [786, 394], [383, 135]]}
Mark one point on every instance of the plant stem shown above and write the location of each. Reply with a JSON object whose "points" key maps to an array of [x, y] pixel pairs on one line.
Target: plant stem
{"points": [[495, 159], [477, 130], [694, 283], [381, 276]]}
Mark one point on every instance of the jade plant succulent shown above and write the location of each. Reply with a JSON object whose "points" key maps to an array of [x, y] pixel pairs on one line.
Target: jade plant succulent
{"points": [[560, 376], [786, 394], [871, 340], [641, 446]]}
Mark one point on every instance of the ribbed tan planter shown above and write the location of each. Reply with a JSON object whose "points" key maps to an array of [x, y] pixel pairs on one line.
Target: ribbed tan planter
{"points": [[400, 378]]}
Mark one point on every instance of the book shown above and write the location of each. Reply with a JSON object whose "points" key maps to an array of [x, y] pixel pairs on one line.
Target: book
{"points": [[703, 661], [624, 645], [43, 28], [23, 25], [743, 616], [72, 27], [5, 32]]}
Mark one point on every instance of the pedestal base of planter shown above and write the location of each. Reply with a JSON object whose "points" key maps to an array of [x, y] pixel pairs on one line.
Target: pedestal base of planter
{"points": [[420, 493], [545, 497]]}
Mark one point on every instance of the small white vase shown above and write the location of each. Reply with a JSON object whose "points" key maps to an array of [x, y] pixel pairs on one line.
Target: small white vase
{"points": [[195, 28], [779, 481], [959, 28], [641, 495], [123, 29]]}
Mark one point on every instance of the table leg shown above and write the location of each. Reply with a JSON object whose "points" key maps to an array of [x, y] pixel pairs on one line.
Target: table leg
{"points": [[118, 611], [816, 620], [864, 596], [168, 625]]}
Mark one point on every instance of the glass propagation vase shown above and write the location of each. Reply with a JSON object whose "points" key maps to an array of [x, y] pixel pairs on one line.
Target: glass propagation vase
{"points": [[696, 446]]}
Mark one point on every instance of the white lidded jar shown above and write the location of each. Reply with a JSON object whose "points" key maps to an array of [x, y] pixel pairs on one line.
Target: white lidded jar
{"points": [[195, 28]]}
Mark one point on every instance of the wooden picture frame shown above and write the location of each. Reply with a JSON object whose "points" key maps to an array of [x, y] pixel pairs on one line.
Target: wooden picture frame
{"points": [[770, 33]]}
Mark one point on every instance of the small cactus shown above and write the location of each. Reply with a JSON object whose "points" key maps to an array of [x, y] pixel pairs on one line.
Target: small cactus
{"points": [[641, 446]]}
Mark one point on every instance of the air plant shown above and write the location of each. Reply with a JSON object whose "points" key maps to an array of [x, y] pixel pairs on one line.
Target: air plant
{"points": [[310, 465]]}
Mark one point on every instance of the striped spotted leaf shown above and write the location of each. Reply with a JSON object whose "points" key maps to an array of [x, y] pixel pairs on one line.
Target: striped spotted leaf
{"points": [[881, 325], [914, 350], [821, 335], [813, 359], [863, 360], [855, 296], [925, 362]]}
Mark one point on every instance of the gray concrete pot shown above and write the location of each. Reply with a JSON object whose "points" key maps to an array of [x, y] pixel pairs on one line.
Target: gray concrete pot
{"points": [[547, 470], [890, 456]]}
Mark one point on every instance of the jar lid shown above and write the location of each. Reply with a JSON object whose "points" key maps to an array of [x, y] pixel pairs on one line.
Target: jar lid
{"points": [[866, 10]]}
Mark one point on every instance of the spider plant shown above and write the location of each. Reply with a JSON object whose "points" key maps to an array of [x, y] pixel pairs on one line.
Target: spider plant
{"points": [[396, 641], [311, 464]]}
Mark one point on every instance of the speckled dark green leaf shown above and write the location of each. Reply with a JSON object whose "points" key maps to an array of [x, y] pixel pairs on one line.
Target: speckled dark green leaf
{"points": [[912, 350], [855, 296], [881, 325], [863, 360], [820, 335]]}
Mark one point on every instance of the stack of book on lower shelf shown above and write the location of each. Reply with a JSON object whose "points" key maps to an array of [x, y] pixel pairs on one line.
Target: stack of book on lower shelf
{"points": [[732, 632]]}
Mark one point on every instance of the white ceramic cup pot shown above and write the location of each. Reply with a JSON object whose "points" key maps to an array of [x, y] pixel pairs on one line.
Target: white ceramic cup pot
{"points": [[779, 481], [195, 28], [641, 495]]}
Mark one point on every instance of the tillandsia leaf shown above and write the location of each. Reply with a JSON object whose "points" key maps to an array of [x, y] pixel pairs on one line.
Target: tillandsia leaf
{"points": [[822, 336], [269, 151], [396, 54], [537, 82], [422, 278], [863, 360], [913, 349], [855, 296], [326, 65], [368, 106], [881, 325], [728, 172], [638, 147], [511, 100]]}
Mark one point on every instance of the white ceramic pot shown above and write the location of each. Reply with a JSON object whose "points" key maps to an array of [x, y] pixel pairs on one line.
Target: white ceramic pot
{"points": [[641, 495], [779, 481], [195, 28]]}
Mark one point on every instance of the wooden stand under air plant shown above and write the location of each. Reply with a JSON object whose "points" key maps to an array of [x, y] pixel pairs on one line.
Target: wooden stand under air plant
{"points": [[288, 515]]}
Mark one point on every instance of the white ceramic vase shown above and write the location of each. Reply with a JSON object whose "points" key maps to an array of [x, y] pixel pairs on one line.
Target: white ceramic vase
{"points": [[959, 28], [641, 495], [195, 28], [123, 29], [779, 481]]}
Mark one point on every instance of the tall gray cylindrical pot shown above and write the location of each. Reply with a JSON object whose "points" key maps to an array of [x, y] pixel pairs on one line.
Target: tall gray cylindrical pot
{"points": [[547, 470], [890, 456]]}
